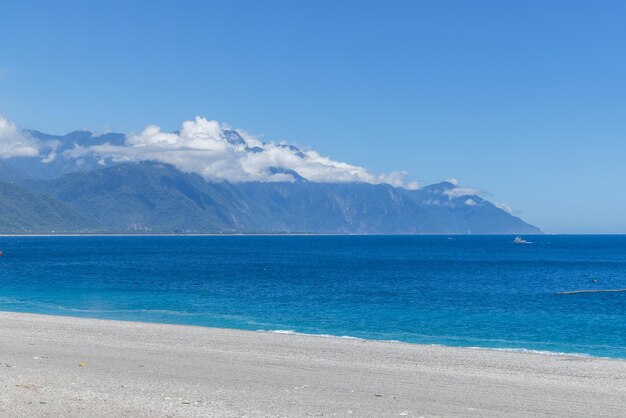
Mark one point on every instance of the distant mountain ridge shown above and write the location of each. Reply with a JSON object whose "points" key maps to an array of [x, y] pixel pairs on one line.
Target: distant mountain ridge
{"points": [[90, 195], [23, 211], [54, 164]]}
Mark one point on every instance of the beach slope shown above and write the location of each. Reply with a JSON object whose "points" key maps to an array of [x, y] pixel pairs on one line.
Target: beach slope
{"points": [[62, 366]]}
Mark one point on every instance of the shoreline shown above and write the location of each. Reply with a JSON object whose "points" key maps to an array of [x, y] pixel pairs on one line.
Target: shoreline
{"points": [[467, 347], [69, 366], [332, 336]]}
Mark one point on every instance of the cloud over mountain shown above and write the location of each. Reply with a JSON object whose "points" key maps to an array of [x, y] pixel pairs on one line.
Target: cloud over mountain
{"points": [[14, 143], [505, 208], [214, 151], [147, 181]]}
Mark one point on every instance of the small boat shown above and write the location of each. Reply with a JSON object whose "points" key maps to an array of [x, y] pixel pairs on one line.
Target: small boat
{"points": [[520, 240]]}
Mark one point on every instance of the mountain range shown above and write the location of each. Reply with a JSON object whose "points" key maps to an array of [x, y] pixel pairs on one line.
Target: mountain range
{"points": [[63, 192]]}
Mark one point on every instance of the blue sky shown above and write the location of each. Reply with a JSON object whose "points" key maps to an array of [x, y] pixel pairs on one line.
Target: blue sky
{"points": [[523, 100]]}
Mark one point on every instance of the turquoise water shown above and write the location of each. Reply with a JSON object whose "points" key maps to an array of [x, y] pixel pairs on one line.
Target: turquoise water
{"points": [[461, 290]]}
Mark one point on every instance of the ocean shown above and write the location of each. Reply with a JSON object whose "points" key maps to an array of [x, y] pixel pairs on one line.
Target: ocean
{"points": [[471, 291]]}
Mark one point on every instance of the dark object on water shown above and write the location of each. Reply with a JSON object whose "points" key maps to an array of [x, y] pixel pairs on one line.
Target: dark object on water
{"points": [[594, 281], [1, 253], [572, 292]]}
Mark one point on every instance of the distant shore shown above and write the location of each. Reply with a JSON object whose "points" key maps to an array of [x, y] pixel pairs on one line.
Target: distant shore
{"points": [[64, 366], [266, 234], [167, 234]]}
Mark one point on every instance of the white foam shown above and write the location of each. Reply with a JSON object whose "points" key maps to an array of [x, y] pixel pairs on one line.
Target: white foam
{"points": [[526, 350], [292, 332], [514, 350]]}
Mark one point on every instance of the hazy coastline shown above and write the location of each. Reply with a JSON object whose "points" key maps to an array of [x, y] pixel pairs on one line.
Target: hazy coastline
{"points": [[263, 234]]}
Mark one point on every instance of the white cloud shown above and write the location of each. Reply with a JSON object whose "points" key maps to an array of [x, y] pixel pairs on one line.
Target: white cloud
{"points": [[504, 207], [461, 191], [204, 147], [49, 158], [470, 202], [14, 143], [201, 146]]}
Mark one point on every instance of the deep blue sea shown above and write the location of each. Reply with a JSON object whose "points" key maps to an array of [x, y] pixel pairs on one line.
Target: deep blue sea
{"points": [[459, 290]]}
